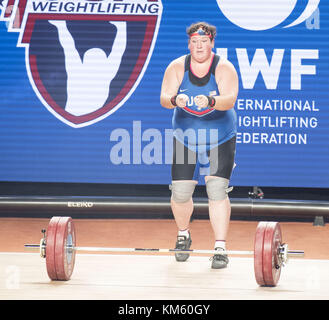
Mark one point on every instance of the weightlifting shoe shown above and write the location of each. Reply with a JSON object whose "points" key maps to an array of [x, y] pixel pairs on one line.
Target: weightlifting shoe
{"points": [[183, 243], [220, 260]]}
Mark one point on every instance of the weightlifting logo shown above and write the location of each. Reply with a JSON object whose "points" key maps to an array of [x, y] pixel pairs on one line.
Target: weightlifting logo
{"points": [[258, 15], [84, 59]]}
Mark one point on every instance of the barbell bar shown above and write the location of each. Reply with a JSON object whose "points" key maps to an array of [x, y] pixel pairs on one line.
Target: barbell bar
{"points": [[58, 247], [290, 253]]}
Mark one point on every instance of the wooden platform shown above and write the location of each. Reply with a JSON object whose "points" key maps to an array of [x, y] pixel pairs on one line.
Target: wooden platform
{"points": [[148, 277], [104, 276]]}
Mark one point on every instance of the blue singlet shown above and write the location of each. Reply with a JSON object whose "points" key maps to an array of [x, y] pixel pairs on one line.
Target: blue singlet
{"points": [[206, 128]]}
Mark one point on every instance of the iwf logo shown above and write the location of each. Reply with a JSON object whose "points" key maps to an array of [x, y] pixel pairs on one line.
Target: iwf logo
{"points": [[258, 15], [84, 58]]}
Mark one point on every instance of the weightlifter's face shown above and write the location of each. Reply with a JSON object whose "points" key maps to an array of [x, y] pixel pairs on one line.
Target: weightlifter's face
{"points": [[200, 48]]}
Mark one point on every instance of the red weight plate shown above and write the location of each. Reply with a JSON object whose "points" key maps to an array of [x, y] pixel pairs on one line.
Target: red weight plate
{"points": [[272, 242], [64, 256], [50, 248], [258, 252]]}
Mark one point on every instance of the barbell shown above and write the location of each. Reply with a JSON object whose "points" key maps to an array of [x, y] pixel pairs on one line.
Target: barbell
{"points": [[58, 247]]}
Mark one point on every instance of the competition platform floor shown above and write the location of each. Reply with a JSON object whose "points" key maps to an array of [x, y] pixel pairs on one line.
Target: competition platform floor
{"points": [[137, 276]]}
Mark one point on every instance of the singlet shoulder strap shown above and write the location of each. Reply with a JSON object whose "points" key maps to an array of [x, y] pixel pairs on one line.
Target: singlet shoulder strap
{"points": [[214, 64], [187, 62]]}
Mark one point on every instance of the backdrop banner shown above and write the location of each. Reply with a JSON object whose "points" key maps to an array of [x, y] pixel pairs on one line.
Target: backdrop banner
{"points": [[80, 88]]}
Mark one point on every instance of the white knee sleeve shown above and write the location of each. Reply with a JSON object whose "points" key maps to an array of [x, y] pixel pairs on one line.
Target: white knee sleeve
{"points": [[182, 191], [217, 188]]}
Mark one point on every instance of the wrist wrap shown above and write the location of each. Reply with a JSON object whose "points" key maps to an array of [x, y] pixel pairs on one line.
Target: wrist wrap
{"points": [[173, 100], [211, 102]]}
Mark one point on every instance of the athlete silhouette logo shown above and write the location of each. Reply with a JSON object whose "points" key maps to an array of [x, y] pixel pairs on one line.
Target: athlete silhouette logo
{"points": [[95, 69], [84, 59], [84, 70]]}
